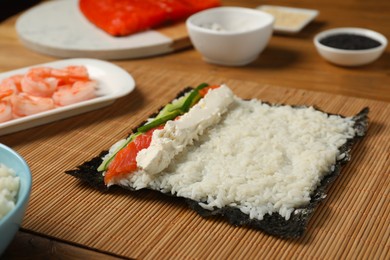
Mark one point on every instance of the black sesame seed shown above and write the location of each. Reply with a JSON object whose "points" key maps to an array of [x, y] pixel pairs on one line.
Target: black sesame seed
{"points": [[350, 42]]}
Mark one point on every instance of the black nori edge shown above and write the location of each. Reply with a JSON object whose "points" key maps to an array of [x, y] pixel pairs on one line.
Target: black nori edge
{"points": [[273, 224]]}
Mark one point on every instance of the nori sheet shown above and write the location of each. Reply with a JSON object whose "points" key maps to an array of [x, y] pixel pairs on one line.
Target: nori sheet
{"points": [[273, 224]]}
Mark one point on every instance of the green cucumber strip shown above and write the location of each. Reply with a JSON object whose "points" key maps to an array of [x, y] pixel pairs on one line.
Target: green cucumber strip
{"points": [[193, 97], [159, 121], [172, 106], [202, 86], [171, 111]]}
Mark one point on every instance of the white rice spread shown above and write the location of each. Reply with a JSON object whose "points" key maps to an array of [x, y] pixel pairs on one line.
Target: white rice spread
{"points": [[9, 186], [259, 158]]}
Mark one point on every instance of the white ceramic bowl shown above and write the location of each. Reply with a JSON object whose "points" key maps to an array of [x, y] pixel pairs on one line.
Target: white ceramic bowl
{"points": [[10, 223], [231, 36], [350, 57]]}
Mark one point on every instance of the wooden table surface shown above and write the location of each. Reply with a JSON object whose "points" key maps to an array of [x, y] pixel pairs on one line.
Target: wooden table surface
{"points": [[289, 61]]}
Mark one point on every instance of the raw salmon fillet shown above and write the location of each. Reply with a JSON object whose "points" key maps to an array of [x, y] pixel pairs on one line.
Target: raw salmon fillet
{"points": [[125, 161], [125, 17]]}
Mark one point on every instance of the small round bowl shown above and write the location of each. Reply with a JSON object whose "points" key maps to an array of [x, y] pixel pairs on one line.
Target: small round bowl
{"points": [[350, 57], [230, 36], [10, 223]]}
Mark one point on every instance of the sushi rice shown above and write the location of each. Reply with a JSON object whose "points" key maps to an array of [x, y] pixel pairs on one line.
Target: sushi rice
{"points": [[9, 187]]}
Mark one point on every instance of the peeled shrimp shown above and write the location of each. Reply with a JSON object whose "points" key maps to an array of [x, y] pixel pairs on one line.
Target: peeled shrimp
{"points": [[12, 83], [39, 82], [5, 111], [6, 94], [80, 72], [79, 91], [5, 106], [71, 74], [24, 104], [42, 89]]}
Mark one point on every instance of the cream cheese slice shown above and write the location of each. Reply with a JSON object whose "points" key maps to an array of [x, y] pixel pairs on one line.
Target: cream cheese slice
{"points": [[177, 134]]}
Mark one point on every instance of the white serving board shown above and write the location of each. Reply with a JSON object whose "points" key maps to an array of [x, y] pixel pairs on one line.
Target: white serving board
{"points": [[113, 83], [58, 28]]}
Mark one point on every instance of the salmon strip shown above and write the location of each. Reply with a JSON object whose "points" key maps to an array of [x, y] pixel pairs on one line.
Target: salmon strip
{"points": [[125, 160], [125, 17]]}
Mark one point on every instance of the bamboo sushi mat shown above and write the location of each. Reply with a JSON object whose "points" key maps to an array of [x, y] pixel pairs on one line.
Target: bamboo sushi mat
{"points": [[353, 222]]}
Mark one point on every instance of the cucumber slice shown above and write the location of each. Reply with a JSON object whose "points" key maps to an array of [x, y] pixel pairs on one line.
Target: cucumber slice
{"points": [[172, 110], [177, 104], [193, 97], [159, 121]]}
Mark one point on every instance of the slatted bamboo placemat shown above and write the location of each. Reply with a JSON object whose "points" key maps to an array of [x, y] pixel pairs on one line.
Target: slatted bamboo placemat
{"points": [[352, 223]]}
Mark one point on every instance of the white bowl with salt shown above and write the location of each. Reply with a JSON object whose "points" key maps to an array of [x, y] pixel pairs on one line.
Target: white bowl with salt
{"points": [[230, 36]]}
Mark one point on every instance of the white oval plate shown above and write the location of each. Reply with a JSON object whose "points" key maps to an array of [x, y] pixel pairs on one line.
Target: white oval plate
{"points": [[113, 82]]}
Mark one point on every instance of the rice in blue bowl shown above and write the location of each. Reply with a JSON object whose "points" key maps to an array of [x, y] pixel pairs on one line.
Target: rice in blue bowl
{"points": [[15, 189]]}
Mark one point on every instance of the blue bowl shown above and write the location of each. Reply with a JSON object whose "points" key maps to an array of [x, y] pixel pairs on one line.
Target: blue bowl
{"points": [[10, 223]]}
